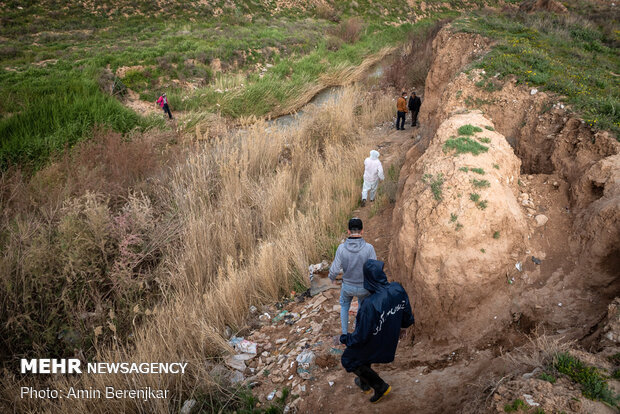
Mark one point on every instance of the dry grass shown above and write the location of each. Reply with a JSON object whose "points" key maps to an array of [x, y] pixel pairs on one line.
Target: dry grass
{"points": [[539, 352], [341, 76], [256, 208]]}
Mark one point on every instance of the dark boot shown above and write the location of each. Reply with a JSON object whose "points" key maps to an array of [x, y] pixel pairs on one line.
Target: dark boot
{"points": [[365, 387], [382, 392]]}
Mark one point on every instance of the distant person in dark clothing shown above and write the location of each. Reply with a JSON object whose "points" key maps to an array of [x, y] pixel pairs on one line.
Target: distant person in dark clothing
{"points": [[380, 318], [163, 103], [414, 107], [401, 107]]}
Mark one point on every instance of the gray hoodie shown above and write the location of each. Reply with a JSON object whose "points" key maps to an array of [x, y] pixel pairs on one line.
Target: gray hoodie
{"points": [[350, 258]]}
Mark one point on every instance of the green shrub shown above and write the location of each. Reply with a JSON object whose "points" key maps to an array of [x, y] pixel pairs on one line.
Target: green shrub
{"points": [[475, 197], [490, 128], [484, 140], [593, 383], [496, 234], [478, 171]]}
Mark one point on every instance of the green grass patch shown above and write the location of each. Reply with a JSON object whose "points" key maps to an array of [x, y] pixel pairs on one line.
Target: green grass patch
{"points": [[480, 183], [478, 171], [482, 204], [496, 235], [453, 217], [516, 405], [475, 197], [484, 140], [547, 377], [469, 129], [564, 53], [436, 184], [490, 128], [464, 145], [464, 169], [458, 226], [593, 384], [496, 166]]}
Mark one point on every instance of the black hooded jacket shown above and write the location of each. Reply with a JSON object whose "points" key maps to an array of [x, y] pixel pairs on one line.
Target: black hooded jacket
{"points": [[379, 320], [414, 103]]}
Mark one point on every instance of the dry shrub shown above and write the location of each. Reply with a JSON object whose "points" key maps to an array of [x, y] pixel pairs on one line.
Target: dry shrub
{"points": [[327, 12], [251, 224], [82, 238], [410, 69], [539, 352], [333, 43], [349, 30]]}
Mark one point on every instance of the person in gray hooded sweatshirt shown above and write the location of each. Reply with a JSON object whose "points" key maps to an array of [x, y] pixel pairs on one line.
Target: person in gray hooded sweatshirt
{"points": [[350, 258]]}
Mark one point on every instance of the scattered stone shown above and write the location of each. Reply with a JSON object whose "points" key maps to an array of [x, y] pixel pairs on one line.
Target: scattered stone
{"points": [[336, 308], [560, 304], [556, 184], [532, 374], [280, 341], [525, 196], [541, 220], [187, 406]]}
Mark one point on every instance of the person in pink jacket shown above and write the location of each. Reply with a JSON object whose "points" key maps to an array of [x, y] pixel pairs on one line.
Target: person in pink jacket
{"points": [[373, 173], [163, 103]]}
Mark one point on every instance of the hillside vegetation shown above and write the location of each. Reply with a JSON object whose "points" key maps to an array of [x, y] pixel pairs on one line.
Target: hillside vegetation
{"points": [[59, 83], [575, 54]]}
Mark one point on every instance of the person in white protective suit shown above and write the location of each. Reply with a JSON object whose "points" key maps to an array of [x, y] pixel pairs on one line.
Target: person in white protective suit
{"points": [[372, 174]]}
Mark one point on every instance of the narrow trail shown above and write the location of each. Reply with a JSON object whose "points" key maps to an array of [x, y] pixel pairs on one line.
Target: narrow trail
{"points": [[418, 385]]}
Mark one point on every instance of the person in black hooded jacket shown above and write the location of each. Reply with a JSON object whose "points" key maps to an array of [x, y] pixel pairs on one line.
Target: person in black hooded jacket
{"points": [[379, 320], [414, 108]]}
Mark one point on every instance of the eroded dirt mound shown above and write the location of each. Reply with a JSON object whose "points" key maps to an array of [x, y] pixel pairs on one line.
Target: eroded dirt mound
{"points": [[460, 228], [451, 52]]}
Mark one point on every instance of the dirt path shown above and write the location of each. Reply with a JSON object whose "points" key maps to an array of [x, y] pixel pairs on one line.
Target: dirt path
{"points": [[418, 385]]}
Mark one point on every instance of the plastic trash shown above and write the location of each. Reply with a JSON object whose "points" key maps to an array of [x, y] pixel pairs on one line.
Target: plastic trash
{"points": [[336, 351], [519, 266], [271, 395], [536, 260], [279, 316], [264, 317], [291, 318], [306, 364]]}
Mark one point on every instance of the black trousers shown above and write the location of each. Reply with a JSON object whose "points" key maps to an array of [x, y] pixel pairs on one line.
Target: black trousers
{"points": [[167, 111], [414, 117], [369, 377], [400, 120]]}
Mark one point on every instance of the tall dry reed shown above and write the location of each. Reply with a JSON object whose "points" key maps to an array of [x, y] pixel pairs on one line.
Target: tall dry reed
{"points": [[257, 207]]}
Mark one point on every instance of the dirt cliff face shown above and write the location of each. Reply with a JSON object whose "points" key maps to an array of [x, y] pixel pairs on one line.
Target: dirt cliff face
{"points": [[458, 231], [451, 52], [554, 201]]}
